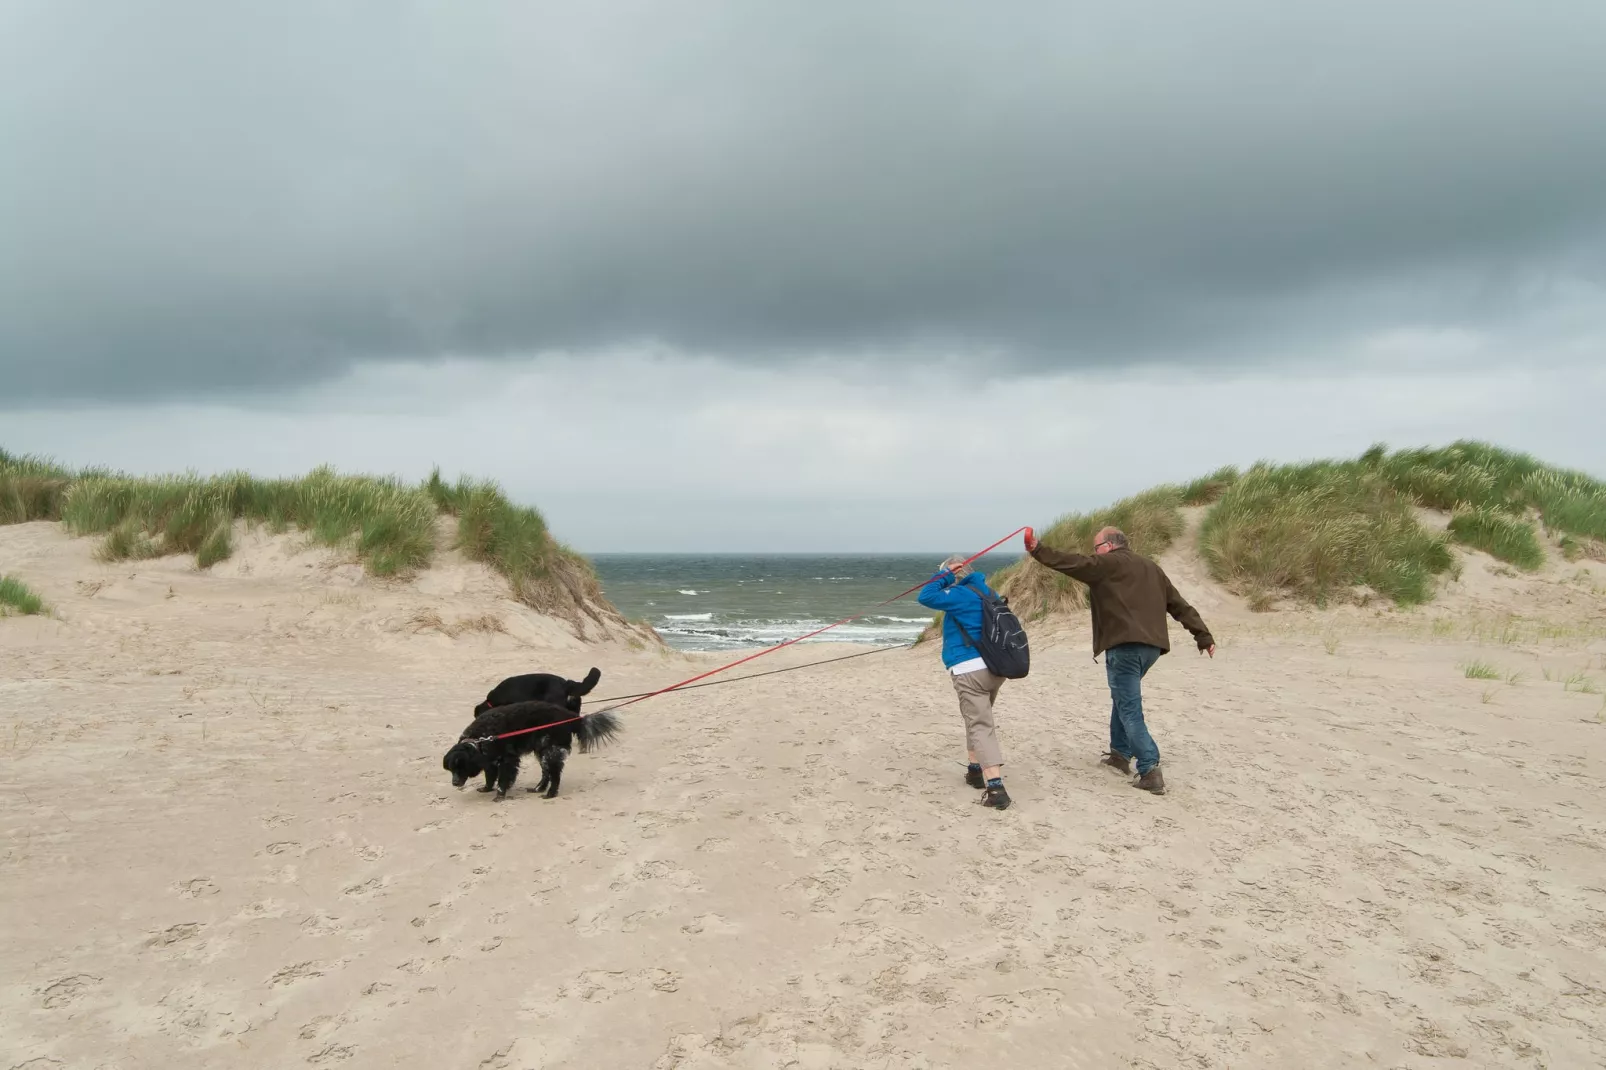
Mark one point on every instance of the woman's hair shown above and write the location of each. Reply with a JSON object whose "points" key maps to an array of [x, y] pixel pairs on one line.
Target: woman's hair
{"points": [[957, 563]]}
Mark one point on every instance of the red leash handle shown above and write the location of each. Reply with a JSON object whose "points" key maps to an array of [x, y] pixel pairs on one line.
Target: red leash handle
{"points": [[810, 635]]}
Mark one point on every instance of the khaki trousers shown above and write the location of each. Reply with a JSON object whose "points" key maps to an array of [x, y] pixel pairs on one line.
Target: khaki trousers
{"points": [[977, 692]]}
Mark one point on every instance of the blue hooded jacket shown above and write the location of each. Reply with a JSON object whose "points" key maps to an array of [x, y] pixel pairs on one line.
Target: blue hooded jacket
{"points": [[957, 601]]}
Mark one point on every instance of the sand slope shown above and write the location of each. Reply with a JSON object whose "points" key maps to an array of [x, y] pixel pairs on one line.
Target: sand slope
{"points": [[228, 841]]}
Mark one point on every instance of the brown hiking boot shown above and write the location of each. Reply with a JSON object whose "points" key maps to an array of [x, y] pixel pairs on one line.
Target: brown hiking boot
{"points": [[1151, 781], [1117, 761], [997, 798]]}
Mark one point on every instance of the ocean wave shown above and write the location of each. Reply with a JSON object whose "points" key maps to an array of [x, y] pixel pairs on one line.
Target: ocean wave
{"points": [[688, 592], [688, 616], [701, 633]]}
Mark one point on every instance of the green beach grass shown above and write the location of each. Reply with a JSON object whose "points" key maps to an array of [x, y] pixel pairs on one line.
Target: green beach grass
{"points": [[389, 525], [18, 598], [1324, 531]]}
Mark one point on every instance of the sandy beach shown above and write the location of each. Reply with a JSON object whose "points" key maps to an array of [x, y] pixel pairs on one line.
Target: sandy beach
{"points": [[228, 839]]}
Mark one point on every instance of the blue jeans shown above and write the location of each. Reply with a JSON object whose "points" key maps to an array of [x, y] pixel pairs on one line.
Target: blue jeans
{"points": [[1125, 665]]}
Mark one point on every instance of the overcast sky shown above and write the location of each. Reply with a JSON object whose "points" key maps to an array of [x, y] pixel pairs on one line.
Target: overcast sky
{"points": [[741, 276]]}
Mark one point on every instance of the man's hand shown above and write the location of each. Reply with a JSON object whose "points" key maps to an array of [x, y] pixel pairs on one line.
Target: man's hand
{"points": [[1211, 650], [1031, 540]]}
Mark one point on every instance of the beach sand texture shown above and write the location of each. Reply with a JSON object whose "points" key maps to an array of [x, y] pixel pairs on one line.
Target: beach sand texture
{"points": [[228, 839]]}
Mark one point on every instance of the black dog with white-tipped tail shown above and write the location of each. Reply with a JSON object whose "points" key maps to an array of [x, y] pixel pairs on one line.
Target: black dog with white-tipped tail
{"points": [[478, 750]]}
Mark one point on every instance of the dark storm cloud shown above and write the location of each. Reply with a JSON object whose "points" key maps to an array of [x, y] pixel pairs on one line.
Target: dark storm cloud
{"points": [[200, 196]]}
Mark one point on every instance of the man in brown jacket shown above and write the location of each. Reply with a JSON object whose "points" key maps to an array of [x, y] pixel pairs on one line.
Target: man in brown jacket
{"points": [[1129, 596]]}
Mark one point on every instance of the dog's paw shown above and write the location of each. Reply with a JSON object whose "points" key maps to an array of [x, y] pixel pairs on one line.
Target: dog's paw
{"points": [[483, 789]]}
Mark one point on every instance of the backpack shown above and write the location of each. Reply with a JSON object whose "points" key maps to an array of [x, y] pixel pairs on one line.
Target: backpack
{"points": [[1002, 643]]}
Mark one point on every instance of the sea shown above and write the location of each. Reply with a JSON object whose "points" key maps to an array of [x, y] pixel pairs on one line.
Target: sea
{"points": [[740, 601]]}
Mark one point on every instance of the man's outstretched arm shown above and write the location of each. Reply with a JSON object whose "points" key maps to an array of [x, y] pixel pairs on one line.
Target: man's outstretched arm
{"points": [[1084, 567], [1189, 618]]}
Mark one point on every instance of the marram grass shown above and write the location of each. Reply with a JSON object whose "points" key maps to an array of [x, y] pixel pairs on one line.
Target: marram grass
{"points": [[389, 525], [1326, 531]]}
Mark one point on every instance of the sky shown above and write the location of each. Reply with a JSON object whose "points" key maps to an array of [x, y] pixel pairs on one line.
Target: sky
{"points": [[799, 277]]}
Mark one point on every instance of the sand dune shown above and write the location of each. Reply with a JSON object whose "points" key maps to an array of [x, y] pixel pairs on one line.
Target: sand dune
{"points": [[228, 840]]}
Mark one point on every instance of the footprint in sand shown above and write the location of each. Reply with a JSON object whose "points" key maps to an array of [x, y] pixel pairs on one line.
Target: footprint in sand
{"points": [[420, 966], [321, 1026], [823, 888], [634, 922], [301, 971], [919, 903], [334, 1053], [707, 923], [371, 853], [1031, 1005], [282, 847], [67, 990], [599, 986], [174, 934], [650, 822], [196, 887], [321, 925], [658, 870]]}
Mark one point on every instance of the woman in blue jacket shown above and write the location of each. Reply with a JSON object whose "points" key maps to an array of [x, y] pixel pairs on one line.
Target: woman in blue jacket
{"points": [[954, 591]]}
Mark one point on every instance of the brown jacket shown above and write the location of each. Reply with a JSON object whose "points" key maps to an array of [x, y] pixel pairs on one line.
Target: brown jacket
{"points": [[1129, 596]]}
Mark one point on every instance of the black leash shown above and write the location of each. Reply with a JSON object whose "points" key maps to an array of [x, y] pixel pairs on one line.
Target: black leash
{"points": [[756, 675]]}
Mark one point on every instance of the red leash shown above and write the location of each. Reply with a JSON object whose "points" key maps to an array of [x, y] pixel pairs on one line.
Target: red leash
{"points": [[768, 650], [537, 728]]}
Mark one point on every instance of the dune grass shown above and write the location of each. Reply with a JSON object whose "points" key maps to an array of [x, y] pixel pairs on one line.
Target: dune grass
{"points": [[1335, 530], [1208, 489], [31, 488], [389, 525], [1476, 475], [1501, 535], [1320, 531], [18, 598], [1573, 549], [515, 541]]}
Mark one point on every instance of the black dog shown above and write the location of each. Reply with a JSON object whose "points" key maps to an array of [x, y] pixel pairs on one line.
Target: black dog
{"points": [[479, 751], [540, 687]]}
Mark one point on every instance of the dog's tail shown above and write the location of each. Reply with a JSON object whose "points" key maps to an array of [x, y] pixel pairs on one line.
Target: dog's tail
{"points": [[596, 729], [584, 687]]}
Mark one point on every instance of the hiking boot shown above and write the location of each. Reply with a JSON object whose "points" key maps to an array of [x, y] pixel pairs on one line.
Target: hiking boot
{"points": [[1151, 781], [973, 778], [1117, 761], [997, 798]]}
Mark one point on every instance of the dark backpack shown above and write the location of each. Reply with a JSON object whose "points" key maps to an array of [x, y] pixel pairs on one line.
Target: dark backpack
{"points": [[1002, 642]]}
